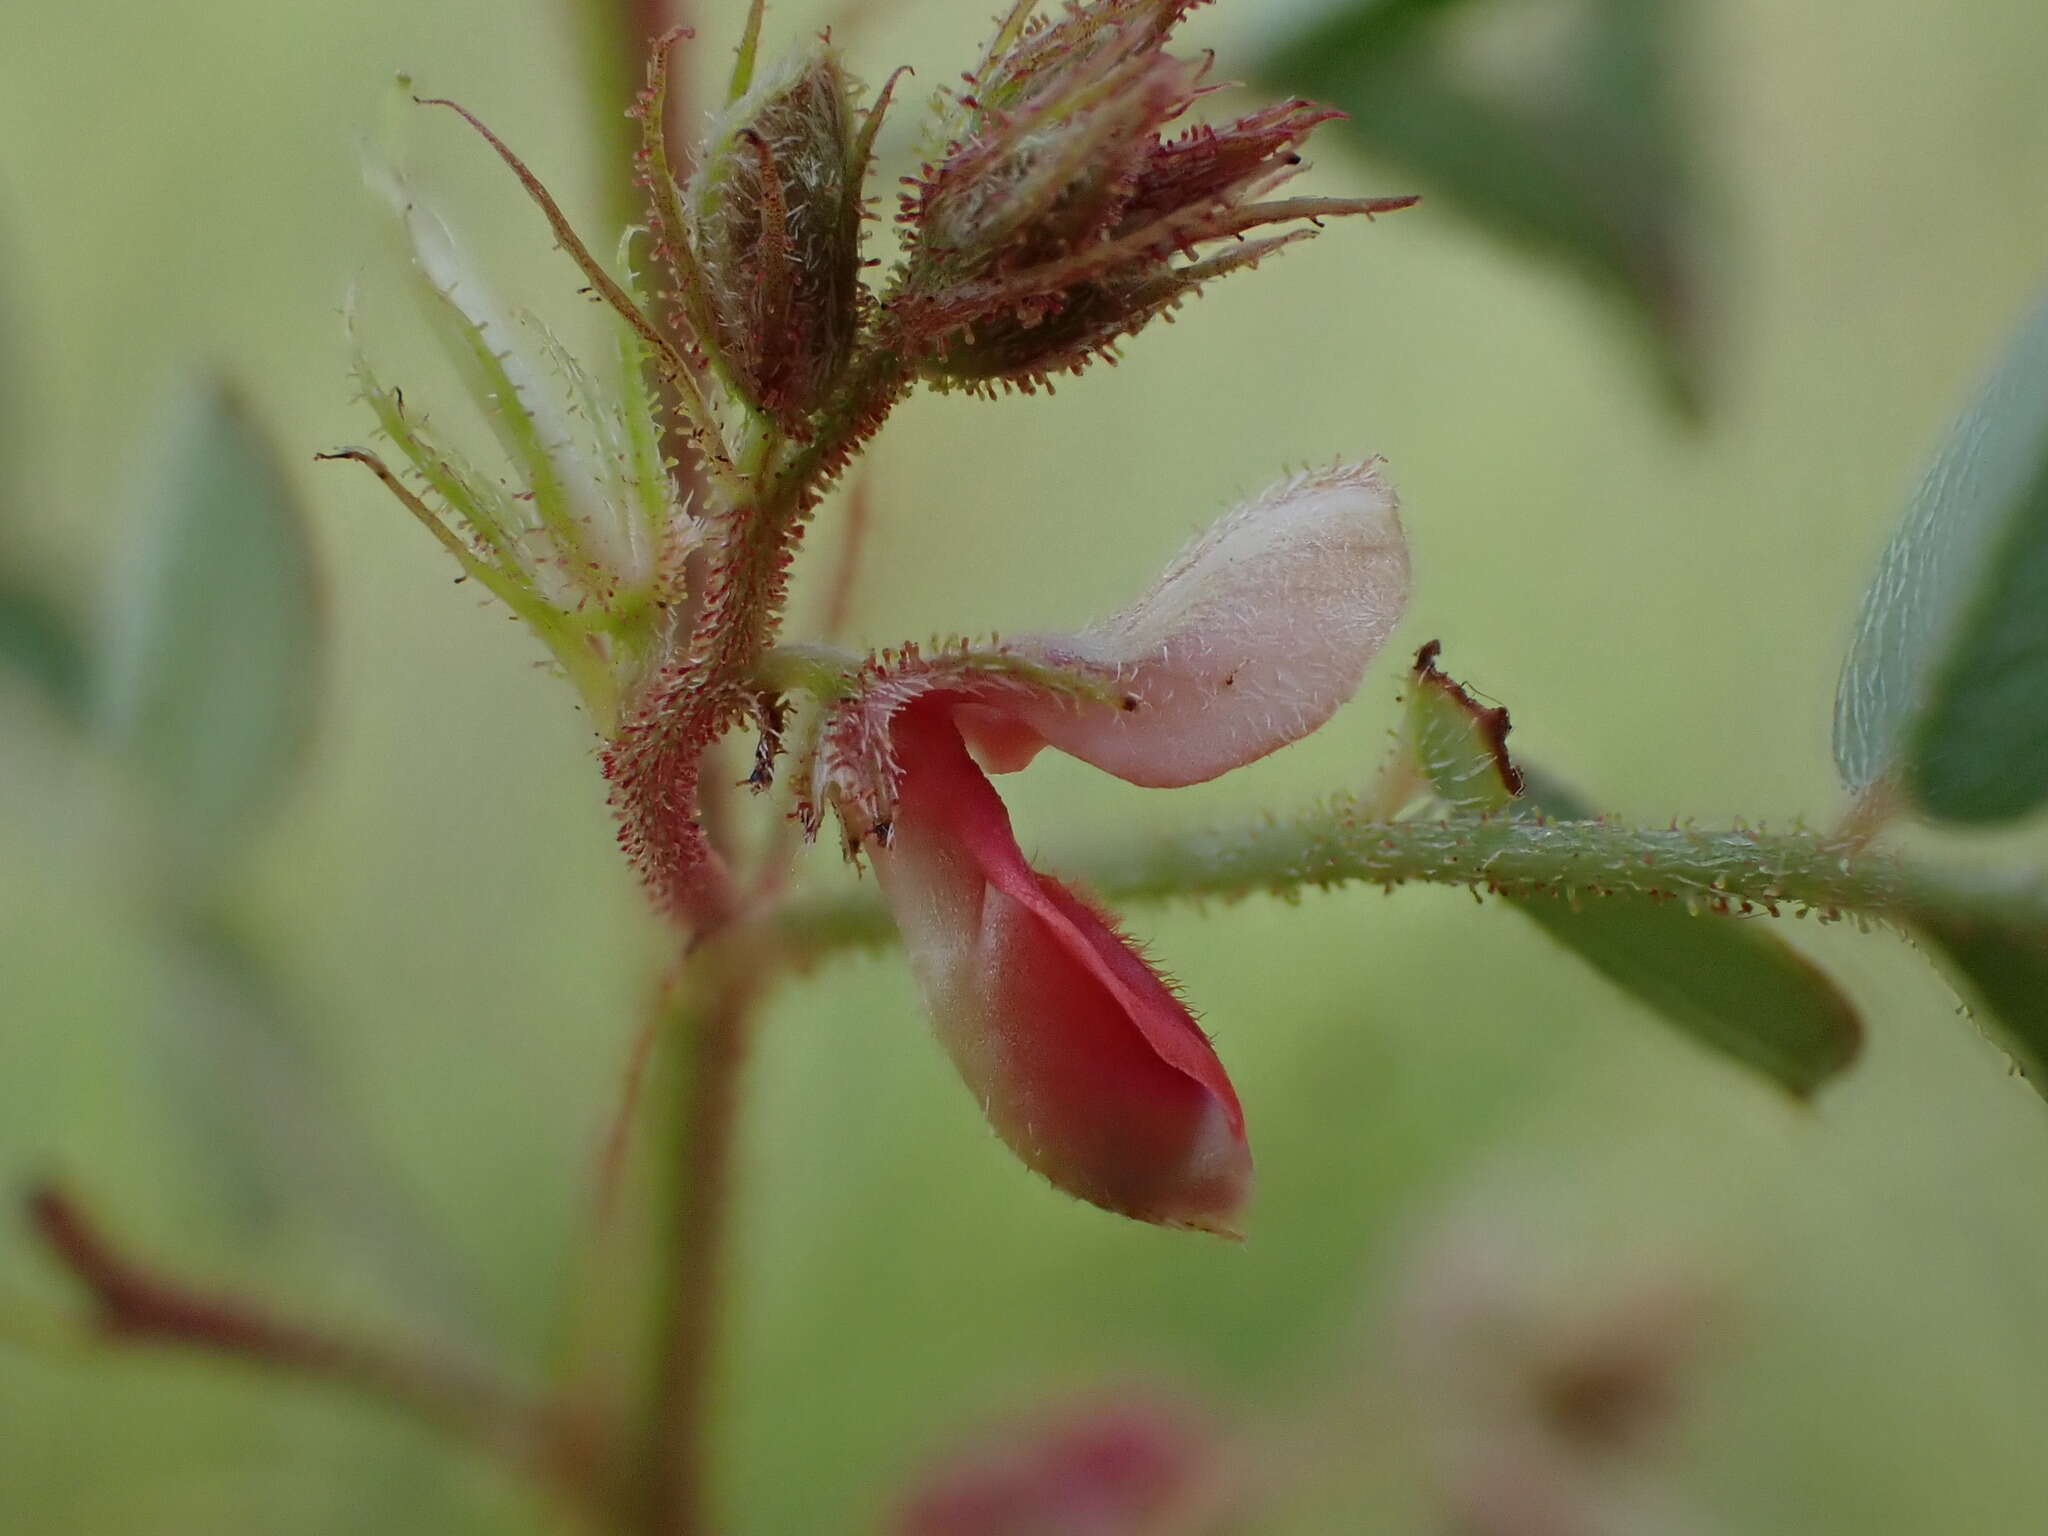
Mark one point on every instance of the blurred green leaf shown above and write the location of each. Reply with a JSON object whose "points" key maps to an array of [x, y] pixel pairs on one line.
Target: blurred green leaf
{"points": [[12, 386], [281, 1148], [239, 1077], [1947, 680], [38, 639], [2004, 969], [211, 661], [1730, 984], [1570, 146]]}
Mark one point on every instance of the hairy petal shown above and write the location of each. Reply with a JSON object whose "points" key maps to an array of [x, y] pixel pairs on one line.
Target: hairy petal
{"points": [[1251, 639], [1085, 1062]]}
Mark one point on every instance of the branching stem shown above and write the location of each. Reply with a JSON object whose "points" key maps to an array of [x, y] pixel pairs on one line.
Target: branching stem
{"points": [[137, 1304]]}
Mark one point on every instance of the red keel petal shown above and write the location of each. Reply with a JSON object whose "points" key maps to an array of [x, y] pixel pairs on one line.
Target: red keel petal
{"points": [[1084, 1060]]}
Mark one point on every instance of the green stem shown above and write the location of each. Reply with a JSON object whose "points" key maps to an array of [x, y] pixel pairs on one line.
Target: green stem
{"points": [[823, 671], [1336, 844]]}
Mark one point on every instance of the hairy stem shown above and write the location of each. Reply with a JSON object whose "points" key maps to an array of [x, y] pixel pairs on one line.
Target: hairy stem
{"points": [[671, 826], [1720, 870], [655, 761], [640, 23], [1338, 845]]}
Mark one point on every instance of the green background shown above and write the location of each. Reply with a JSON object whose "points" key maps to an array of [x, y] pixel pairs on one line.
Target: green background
{"points": [[440, 900]]}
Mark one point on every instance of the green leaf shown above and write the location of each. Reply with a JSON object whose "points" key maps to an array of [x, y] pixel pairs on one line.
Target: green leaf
{"points": [[210, 670], [1946, 685], [1575, 151], [2004, 969], [1460, 745], [281, 1149], [13, 386], [38, 639], [1728, 983]]}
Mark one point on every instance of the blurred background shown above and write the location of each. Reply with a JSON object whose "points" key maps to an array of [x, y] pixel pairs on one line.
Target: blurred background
{"points": [[373, 1088]]}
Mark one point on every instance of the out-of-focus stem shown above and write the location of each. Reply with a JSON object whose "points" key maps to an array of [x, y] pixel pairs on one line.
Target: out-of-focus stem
{"points": [[139, 1305], [711, 1025], [846, 570], [586, 1369], [850, 17]]}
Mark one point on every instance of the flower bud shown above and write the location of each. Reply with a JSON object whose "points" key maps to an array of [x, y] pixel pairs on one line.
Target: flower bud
{"points": [[1068, 205], [774, 214]]}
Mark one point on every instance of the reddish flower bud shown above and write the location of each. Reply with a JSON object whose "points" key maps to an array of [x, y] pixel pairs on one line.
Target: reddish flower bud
{"points": [[1058, 220], [774, 212]]}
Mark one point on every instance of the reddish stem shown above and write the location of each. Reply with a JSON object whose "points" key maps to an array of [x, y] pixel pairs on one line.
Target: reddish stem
{"points": [[645, 24], [618, 1137], [137, 1304], [646, 20], [846, 572], [674, 825]]}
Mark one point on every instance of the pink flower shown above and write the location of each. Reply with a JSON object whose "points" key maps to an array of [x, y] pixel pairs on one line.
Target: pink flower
{"points": [[1083, 1057], [1112, 1463]]}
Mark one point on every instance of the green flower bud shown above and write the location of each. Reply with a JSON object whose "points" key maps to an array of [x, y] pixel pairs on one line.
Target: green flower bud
{"points": [[774, 215]]}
